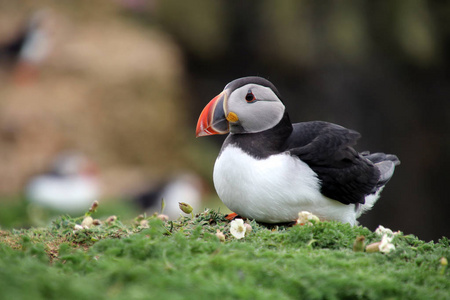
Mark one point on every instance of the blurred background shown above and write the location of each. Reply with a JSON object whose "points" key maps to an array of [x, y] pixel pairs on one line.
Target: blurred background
{"points": [[103, 97]]}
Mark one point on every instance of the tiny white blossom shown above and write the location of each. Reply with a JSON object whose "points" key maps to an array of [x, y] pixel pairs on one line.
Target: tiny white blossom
{"points": [[386, 246], [87, 222], [305, 217], [77, 227], [381, 230], [237, 228]]}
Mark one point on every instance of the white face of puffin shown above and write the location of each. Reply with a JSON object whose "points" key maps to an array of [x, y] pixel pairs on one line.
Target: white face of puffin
{"points": [[253, 108], [248, 108]]}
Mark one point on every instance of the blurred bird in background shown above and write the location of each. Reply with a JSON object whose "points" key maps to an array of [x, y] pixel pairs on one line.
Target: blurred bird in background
{"points": [[184, 187], [70, 186], [24, 52]]}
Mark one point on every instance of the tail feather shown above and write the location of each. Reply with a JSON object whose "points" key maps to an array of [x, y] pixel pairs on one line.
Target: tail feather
{"points": [[385, 163], [386, 169], [380, 157]]}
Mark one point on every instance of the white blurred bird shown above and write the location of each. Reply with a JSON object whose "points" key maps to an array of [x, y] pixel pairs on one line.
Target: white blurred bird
{"points": [[29, 48], [186, 187], [71, 186]]}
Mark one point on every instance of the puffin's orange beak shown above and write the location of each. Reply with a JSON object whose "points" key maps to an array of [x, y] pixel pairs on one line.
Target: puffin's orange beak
{"points": [[213, 120]]}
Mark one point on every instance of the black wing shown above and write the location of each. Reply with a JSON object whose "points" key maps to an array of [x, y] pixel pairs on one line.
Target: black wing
{"points": [[345, 175]]}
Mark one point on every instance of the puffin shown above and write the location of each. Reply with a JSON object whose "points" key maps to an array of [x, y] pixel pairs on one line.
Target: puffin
{"points": [[269, 169], [25, 52], [184, 187], [70, 186]]}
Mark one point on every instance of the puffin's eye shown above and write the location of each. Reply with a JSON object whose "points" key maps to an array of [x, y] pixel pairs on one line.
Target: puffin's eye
{"points": [[249, 97]]}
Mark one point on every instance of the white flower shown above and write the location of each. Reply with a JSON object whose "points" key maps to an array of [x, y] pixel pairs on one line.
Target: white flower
{"points": [[77, 227], [305, 217], [386, 246], [87, 222], [237, 228], [381, 230]]}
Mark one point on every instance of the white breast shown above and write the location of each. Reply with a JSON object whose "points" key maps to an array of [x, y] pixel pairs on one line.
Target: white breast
{"points": [[274, 189]]}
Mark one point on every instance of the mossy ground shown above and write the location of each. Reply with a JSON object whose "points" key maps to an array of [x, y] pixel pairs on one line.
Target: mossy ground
{"points": [[185, 260]]}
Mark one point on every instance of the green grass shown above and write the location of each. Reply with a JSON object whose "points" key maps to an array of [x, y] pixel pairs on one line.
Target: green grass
{"points": [[185, 260]]}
